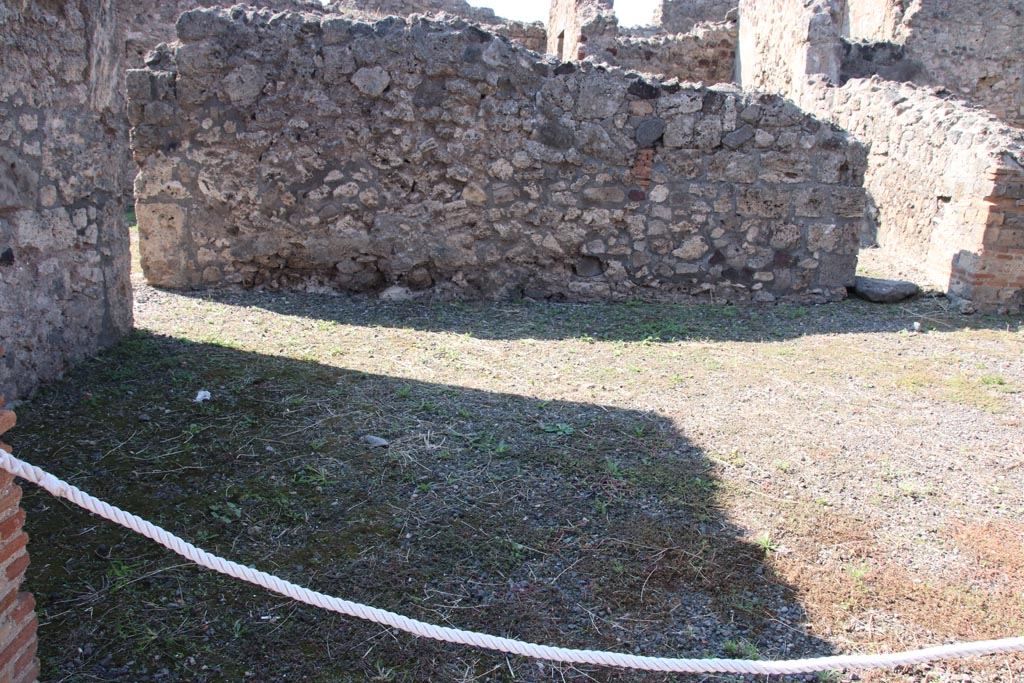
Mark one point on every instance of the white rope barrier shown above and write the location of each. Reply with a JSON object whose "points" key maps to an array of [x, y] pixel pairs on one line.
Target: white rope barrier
{"points": [[62, 489]]}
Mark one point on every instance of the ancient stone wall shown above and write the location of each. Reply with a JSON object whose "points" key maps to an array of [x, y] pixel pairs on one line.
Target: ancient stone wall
{"points": [[973, 49], [151, 22], [945, 179], [873, 21], [64, 283], [588, 29], [577, 28], [707, 54], [441, 158], [681, 16], [970, 48], [784, 42], [532, 35]]}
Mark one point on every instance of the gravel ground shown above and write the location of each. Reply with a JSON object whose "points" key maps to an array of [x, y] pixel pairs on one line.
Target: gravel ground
{"points": [[672, 480]]}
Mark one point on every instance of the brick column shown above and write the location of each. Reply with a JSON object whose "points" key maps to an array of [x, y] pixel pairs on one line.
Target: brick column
{"points": [[18, 662]]}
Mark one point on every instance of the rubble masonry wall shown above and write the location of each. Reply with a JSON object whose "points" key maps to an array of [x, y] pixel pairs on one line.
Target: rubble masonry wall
{"points": [[441, 158], [64, 265], [681, 16], [706, 54], [945, 179]]}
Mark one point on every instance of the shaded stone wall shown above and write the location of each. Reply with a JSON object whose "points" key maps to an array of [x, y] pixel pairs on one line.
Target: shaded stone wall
{"points": [[64, 283], [945, 179], [441, 158], [681, 16]]}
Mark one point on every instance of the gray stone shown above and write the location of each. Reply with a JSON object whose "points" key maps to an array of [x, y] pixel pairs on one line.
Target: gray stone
{"points": [[244, 85], [738, 137], [588, 266], [372, 81], [649, 131], [884, 291]]}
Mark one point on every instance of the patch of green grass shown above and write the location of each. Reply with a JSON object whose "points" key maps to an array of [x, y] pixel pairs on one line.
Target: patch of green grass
{"points": [[559, 429], [740, 649]]}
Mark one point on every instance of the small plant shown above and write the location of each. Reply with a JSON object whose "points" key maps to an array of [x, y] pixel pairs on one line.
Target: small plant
{"points": [[561, 429], [313, 476], [784, 466], [383, 673], [740, 649], [502, 447], [702, 485], [827, 676], [120, 574], [767, 544], [404, 391], [613, 468], [600, 506], [226, 512]]}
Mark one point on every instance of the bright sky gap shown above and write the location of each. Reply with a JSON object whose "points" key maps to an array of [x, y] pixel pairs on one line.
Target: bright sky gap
{"points": [[629, 12]]}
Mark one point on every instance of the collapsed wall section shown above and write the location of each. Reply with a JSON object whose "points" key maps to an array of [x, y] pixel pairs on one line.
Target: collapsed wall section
{"points": [[945, 180], [64, 265], [440, 158]]}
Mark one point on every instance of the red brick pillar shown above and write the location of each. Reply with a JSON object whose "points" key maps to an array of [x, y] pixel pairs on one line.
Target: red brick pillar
{"points": [[18, 663]]}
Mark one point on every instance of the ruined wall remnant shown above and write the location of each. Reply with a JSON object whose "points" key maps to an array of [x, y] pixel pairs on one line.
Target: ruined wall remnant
{"points": [[970, 48], [875, 21], [681, 16], [64, 287], [572, 24], [947, 179], [151, 22], [588, 29], [531, 35], [707, 54], [438, 157]]}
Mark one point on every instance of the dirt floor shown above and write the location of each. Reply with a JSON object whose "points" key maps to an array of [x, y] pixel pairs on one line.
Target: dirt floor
{"points": [[772, 482]]}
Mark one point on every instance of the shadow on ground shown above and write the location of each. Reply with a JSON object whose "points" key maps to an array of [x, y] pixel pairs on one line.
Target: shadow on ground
{"points": [[627, 321], [565, 523]]}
